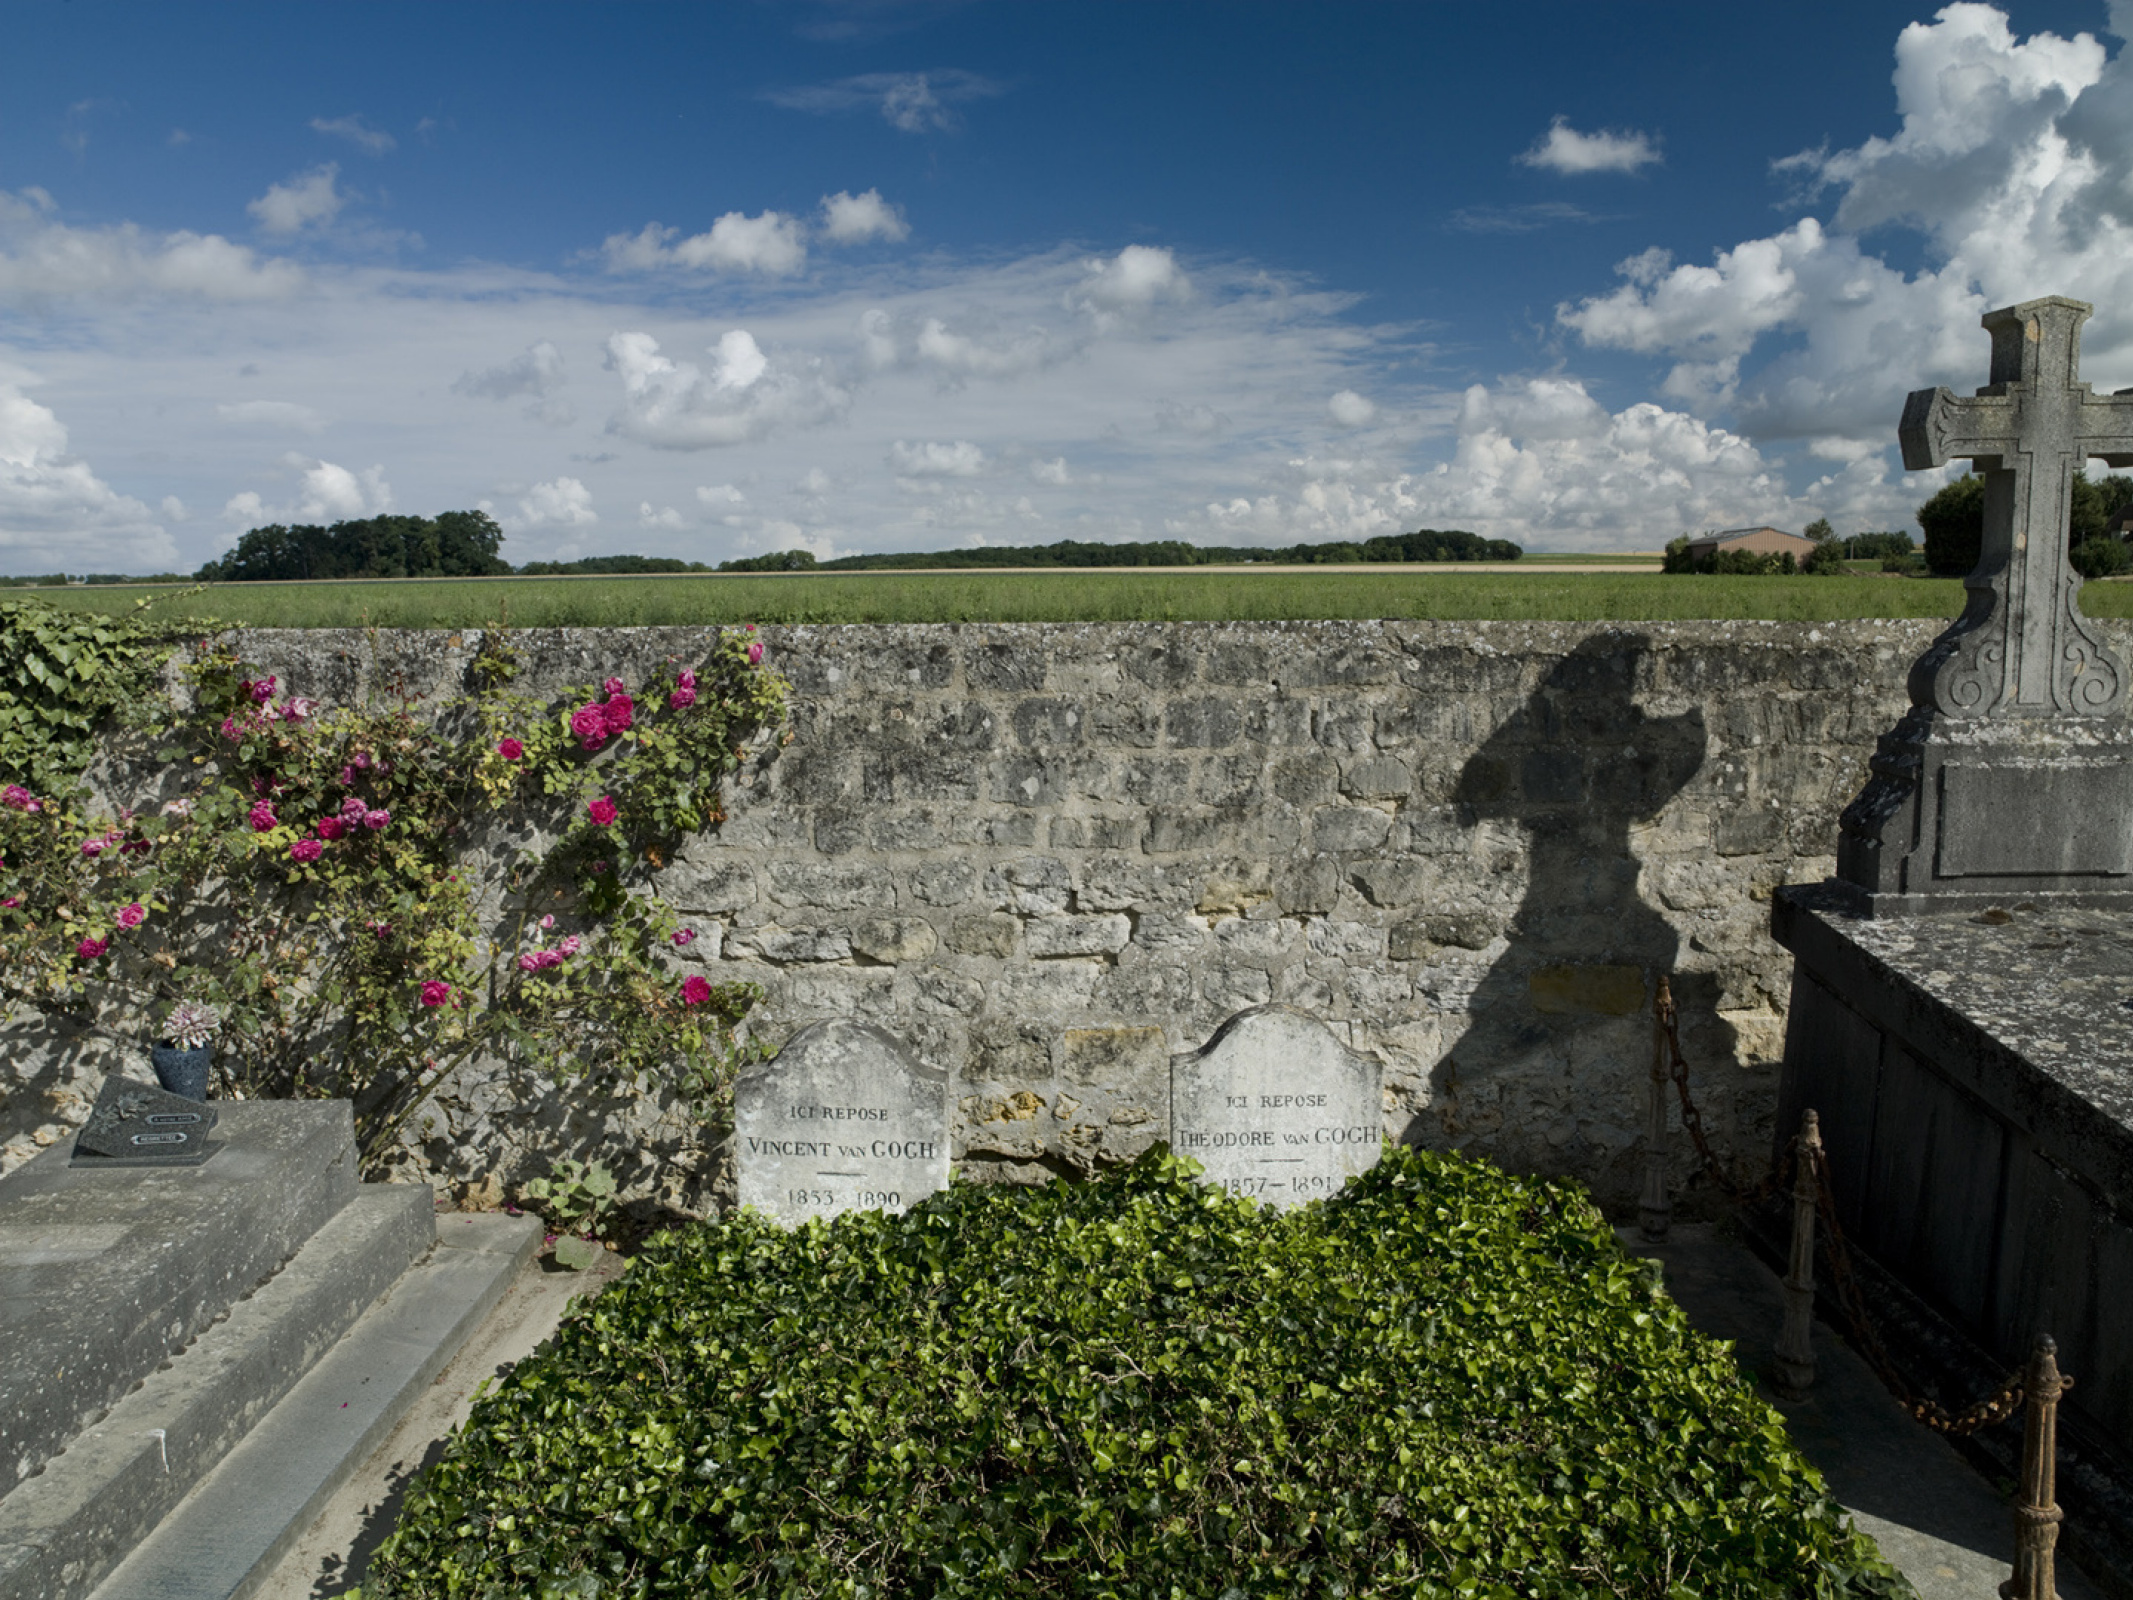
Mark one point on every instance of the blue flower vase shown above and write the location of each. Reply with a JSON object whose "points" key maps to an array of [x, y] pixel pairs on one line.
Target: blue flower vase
{"points": [[182, 1072]]}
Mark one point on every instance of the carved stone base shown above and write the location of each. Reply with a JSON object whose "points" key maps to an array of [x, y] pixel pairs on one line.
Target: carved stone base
{"points": [[1974, 812]]}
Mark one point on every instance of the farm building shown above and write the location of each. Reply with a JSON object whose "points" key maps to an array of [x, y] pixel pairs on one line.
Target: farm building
{"points": [[1760, 541]]}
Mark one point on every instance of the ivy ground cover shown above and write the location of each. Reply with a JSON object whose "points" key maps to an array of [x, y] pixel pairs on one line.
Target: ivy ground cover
{"points": [[1442, 1382]]}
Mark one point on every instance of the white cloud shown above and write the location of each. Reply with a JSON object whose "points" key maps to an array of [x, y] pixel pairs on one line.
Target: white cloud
{"points": [[1350, 409], [174, 508], [536, 373], [1563, 149], [912, 102], [43, 260], [1132, 280], [772, 244], [559, 503], [1053, 472], [54, 510], [280, 416], [720, 494], [307, 200], [962, 459], [678, 406], [856, 218], [2013, 159], [374, 141], [665, 518], [325, 492]]}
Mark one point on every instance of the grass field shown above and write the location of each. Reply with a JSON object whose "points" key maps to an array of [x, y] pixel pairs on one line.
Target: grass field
{"points": [[1157, 595]]}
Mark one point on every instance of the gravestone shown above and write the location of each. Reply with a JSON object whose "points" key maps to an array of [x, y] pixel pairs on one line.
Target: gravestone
{"points": [[1274, 1106], [141, 1125], [2011, 778], [843, 1118]]}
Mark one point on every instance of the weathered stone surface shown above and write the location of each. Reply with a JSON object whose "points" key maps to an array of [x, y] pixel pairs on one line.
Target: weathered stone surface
{"points": [[843, 1118], [1275, 1107], [1661, 741]]}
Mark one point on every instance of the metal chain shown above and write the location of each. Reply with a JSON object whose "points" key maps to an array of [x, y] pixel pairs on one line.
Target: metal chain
{"points": [[1996, 1407]]}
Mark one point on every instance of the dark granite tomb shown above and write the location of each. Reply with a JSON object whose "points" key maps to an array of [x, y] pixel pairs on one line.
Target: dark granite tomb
{"points": [[140, 1125]]}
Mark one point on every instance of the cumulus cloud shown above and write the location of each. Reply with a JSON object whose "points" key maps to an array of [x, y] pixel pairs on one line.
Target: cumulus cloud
{"points": [[912, 102], [535, 373], [325, 492], [664, 519], [1132, 280], [1563, 149], [1350, 409], [373, 141], [961, 459], [51, 500], [856, 218], [1052, 473], [559, 503], [43, 260], [720, 494], [772, 244], [677, 405], [308, 200], [2011, 159]]}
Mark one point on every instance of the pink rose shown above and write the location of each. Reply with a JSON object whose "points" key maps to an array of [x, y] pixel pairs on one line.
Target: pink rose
{"points": [[681, 698], [10, 902], [261, 816], [132, 916], [436, 992], [353, 809], [530, 961], [548, 922], [90, 949], [177, 808], [510, 749], [263, 690], [306, 850], [331, 827], [685, 679], [602, 812], [695, 990], [613, 687], [588, 725], [548, 958], [619, 712], [17, 798], [92, 848], [569, 946], [755, 653], [360, 760], [299, 708], [229, 728], [682, 936], [374, 820]]}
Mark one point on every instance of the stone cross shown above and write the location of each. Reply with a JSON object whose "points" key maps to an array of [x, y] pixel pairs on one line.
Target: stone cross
{"points": [[2021, 647]]}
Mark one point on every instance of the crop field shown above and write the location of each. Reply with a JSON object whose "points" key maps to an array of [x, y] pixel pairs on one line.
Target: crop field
{"points": [[1147, 594]]}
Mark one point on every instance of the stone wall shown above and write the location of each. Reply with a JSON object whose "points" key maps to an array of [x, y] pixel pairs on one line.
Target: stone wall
{"points": [[1050, 856]]}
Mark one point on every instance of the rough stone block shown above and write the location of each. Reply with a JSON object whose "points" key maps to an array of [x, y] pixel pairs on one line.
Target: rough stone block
{"points": [[892, 940], [1345, 828], [944, 883], [1307, 779], [708, 883], [1414, 939], [1076, 935], [832, 886], [1310, 886], [1202, 724], [1114, 1058], [1397, 882], [1378, 778], [991, 934], [1033, 885]]}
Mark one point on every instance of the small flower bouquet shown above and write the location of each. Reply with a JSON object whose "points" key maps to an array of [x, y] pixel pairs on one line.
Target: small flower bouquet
{"points": [[191, 1024]]}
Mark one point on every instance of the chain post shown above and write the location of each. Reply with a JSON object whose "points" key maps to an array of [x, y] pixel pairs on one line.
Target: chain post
{"points": [[1655, 1212], [2037, 1515], [1795, 1348]]}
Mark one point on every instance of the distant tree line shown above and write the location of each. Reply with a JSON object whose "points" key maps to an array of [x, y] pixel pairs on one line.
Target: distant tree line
{"points": [[455, 544], [1954, 524], [1425, 544]]}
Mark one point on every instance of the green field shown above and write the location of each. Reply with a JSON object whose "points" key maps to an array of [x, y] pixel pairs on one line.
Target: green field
{"points": [[1144, 595]]}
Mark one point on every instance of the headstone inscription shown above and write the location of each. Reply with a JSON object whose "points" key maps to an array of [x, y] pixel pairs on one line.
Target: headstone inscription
{"points": [[140, 1125], [844, 1118], [2012, 775], [1276, 1107]]}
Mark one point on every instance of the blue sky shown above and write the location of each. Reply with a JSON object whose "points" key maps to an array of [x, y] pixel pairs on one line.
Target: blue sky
{"points": [[713, 280]]}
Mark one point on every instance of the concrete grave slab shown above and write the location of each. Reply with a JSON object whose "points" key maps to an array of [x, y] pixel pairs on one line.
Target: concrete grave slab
{"points": [[1276, 1107], [844, 1118]]}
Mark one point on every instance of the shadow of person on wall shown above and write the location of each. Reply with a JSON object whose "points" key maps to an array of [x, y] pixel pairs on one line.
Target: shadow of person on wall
{"points": [[1560, 1014]]}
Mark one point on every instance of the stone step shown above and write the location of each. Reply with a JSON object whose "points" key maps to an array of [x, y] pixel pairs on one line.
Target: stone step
{"points": [[63, 1529], [225, 1537], [105, 1275]]}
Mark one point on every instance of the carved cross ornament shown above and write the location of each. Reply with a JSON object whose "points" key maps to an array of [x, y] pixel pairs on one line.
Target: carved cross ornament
{"points": [[2021, 647]]}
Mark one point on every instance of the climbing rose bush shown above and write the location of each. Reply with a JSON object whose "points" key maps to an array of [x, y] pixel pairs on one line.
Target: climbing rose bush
{"points": [[331, 878]]}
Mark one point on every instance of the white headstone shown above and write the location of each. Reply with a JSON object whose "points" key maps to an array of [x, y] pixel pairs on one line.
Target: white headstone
{"points": [[1274, 1106], [844, 1118]]}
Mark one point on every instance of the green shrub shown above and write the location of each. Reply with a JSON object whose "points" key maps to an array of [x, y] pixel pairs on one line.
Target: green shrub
{"points": [[1826, 560], [2100, 557], [1443, 1382]]}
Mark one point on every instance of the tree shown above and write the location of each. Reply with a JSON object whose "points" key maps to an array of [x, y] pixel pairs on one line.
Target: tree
{"points": [[1826, 559], [1954, 524], [457, 544], [1819, 530]]}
